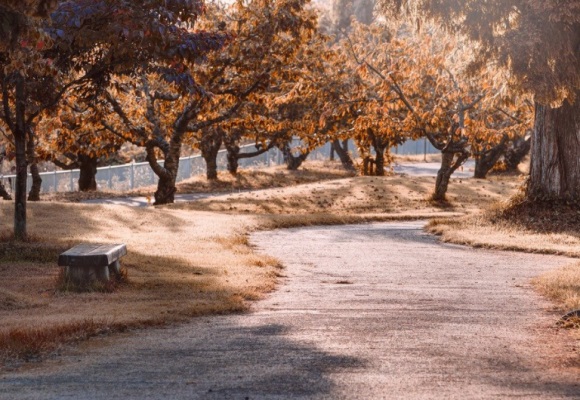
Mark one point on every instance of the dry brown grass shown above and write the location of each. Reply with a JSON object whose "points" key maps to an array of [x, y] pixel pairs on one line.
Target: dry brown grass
{"points": [[361, 195], [30, 343], [247, 179], [561, 286], [478, 231]]}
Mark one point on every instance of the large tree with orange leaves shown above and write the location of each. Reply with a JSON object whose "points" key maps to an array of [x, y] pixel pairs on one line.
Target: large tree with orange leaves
{"points": [[539, 42]]}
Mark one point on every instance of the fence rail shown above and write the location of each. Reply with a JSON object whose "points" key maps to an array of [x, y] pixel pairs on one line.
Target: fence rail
{"points": [[136, 175]]}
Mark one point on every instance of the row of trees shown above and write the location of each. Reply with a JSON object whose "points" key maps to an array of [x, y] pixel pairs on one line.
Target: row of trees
{"points": [[420, 86], [168, 75]]}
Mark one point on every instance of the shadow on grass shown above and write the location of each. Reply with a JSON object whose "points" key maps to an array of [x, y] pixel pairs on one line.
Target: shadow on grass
{"points": [[256, 179], [540, 216], [58, 222]]}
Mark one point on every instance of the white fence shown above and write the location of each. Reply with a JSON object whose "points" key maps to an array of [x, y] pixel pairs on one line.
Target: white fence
{"points": [[136, 175]]}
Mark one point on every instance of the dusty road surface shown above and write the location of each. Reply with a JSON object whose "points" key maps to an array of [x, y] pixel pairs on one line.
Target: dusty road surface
{"points": [[380, 311], [431, 169]]}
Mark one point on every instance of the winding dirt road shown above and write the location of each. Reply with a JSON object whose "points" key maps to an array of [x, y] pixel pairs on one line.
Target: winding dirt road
{"points": [[379, 311]]}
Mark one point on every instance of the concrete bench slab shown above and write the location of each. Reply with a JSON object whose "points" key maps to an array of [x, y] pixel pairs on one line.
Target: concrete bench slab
{"points": [[87, 262]]}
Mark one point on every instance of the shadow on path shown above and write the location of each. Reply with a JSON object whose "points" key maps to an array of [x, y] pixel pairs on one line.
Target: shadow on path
{"points": [[210, 359]]}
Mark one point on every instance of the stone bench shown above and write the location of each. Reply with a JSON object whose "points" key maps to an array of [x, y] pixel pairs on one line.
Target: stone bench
{"points": [[87, 262]]}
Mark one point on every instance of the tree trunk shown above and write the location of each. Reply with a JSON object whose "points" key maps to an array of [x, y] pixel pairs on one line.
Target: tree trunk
{"points": [[233, 153], [342, 152], [211, 166], [3, 193], [380, 161], [20, 228], [516, 153], [443, 176], [210, 146], [292, 162], [555, 158], [167, 174], [34, 194], [20, 231], [88, 173], [165, 193], [368, 166], [481, 168], [485, 161], [234, 156], [448, 167]]}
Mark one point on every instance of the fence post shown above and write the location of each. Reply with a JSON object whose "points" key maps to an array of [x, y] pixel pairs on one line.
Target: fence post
{"points": [[132, 174], [110, 178], [55, 183], [71, 181]]}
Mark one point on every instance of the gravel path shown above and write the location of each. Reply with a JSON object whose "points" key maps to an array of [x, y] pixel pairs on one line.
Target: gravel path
{"points": [[380, 311], [142, 201], [431, 169]]}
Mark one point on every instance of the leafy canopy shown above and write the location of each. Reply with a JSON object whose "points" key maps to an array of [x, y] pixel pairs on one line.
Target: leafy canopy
{"points": [[537, 40]]}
